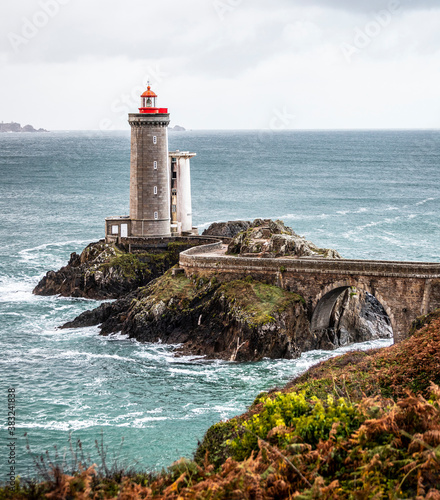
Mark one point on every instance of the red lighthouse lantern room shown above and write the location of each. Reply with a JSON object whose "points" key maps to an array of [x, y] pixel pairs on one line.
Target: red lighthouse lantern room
{"points": [[148, 102]]}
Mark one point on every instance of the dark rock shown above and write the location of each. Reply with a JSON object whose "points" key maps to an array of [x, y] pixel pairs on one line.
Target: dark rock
{"points": [[231, 320], [226, 229], [356, 317], [220, 321], [268, 238], [104, 271], [28, 128], [75, 260], [110, 314]]}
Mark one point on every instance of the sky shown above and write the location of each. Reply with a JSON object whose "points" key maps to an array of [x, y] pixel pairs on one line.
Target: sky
{"points": [[222, 64]]}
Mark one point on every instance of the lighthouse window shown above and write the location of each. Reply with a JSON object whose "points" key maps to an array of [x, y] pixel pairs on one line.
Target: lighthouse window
{"points": [[174, 209], [115, 229], [156, 215], [155, 165], [155, 189], [154, 139]]}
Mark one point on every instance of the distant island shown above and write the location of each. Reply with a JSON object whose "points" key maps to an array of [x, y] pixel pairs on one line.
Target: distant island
{"points": [[16, 127], [177, 128]]}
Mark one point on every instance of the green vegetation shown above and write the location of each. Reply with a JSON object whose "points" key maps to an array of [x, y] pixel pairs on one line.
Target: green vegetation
{"points": [[140, 265], [178, 289], [131, 266], [252, 302], [258, 302], [292, 418]]}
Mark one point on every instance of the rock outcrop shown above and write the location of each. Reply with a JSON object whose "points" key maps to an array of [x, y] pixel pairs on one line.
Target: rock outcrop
{"points": [[242, 320], [239, 320], [105, 271], [268, 238], [228, 229], [356, 317]]}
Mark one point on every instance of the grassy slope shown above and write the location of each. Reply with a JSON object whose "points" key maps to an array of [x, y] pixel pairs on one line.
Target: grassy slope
{"points": [[254, 302], [363, 425]]}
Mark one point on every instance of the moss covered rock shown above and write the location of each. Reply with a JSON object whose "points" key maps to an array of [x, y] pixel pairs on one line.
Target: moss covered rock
{"points": [[268, 238], [241, 320], [106, 271]]}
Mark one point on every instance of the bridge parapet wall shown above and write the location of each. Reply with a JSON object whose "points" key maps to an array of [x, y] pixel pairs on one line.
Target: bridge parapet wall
{"points": [[199, 257]]}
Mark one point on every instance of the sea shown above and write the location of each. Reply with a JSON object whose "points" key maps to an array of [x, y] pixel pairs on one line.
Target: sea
{"points": [[368, 194]]}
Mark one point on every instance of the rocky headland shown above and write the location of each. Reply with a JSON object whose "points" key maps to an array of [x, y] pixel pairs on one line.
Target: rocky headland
{"points": [[237, 320], [109, 271], [16, 127], [242, 320], [177, 128]]}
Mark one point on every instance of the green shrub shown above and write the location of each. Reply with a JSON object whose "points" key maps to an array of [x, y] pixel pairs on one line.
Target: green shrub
{"points": [[289, 418]]}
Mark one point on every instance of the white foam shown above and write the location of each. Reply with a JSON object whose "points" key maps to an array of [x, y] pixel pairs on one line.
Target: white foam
{"points": [[300, 217], [61, 335], [33, 253], [12, 290], [76, 355], [424, 201], [205, 225], [117, 336], [193, 373]]}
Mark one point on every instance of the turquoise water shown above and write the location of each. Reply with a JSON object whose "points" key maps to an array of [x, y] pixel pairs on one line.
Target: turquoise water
{"points": [[368, 194]]}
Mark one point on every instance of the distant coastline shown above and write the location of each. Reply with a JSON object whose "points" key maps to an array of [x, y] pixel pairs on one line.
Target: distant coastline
{"points": [[16, 127], [177, 128]]}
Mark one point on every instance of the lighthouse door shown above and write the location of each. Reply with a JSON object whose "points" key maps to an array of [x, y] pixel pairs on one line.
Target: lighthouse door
{"points": [[124, 230]]}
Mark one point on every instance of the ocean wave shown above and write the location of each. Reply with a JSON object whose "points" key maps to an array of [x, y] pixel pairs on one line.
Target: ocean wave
{"points": [[13, 290], [185, 371], [300, 217], [77, 355], [76, 425], [117, 336], [166, 353], [424, 201], [27, 252], [205, 225], [360, 210]]}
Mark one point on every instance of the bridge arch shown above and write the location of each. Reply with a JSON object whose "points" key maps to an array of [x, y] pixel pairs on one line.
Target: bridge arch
{"points": [[325, 301]]}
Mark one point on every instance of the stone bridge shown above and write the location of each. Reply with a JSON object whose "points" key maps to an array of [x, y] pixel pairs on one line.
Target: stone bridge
{"points": [[405, 289]]}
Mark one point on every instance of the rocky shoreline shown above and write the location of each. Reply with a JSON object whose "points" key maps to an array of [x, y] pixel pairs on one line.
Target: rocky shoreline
{"points": [[239, 320], [105, 271]]}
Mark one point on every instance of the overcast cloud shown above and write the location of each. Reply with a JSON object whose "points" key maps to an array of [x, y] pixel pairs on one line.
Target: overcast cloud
{"points": [[77, 64]]}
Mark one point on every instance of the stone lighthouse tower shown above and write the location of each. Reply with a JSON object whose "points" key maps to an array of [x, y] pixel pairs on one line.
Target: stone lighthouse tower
{"points": [[160, 186], [149, 172]]}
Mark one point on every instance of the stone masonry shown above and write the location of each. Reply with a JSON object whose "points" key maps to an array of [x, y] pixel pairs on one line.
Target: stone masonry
{"points": [[149, 181]]}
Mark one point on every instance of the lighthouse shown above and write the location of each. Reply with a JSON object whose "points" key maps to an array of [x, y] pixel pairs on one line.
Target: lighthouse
{"points": [[160, 188], [149, 174]]}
